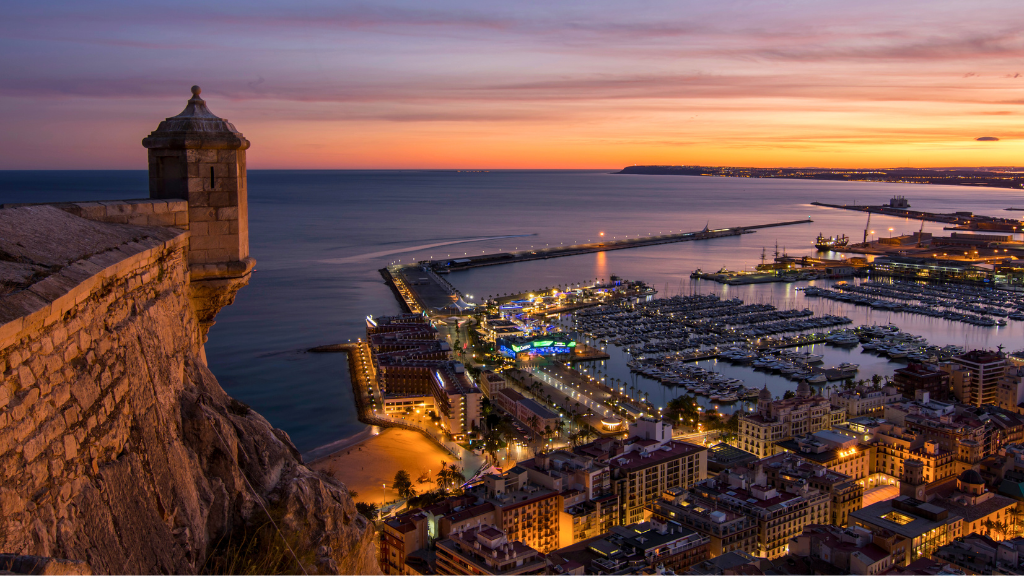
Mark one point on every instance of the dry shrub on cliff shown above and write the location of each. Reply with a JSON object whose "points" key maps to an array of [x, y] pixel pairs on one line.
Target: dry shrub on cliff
{"points": [[256, 550]]}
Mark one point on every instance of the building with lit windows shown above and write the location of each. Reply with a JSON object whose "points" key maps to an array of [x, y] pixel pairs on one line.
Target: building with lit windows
{"points": [[791, 471], [981, 371], [780, 514], [926, 526], [834, 451], [864, 401], [486, 550], [522, 348], [778, 420], [647, 464], [414, 372], [726, 531]]}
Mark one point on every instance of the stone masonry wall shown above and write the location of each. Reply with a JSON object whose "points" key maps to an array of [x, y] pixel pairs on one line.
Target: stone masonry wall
{"points": [[217, 212], [144, 212], [117, 445]]}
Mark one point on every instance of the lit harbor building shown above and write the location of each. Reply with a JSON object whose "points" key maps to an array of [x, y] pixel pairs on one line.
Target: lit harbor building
{"points": [[522, 348]]}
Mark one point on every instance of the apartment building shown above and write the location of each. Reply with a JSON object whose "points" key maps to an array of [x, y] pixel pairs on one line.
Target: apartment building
{"points": [[415, 373], [647, 464], [486, 550], [835, 451], [726, 531], [852, 550], [792, 471], [976, 376], [779, 514]]}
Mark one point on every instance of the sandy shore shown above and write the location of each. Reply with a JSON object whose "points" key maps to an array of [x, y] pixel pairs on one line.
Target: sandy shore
{"points": [[367, 466]]}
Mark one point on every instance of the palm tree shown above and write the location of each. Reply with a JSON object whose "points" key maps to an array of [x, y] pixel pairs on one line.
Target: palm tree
{"points": [[989, 525], [533, 421]]}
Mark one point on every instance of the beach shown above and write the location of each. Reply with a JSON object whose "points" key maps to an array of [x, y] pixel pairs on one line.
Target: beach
{"points": [[368, 466]]}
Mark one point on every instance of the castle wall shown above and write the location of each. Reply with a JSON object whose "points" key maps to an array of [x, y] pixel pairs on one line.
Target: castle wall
{"points": [[117, 445], [144, 212]]}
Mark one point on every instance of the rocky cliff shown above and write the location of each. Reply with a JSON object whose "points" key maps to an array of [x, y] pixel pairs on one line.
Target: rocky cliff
{"points": [[117, 445]]}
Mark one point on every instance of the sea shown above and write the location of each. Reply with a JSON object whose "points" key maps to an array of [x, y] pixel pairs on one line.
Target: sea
{"points": [[320, 237]]}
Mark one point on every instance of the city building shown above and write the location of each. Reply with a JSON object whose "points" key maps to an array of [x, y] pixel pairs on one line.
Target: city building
{"points": [[979, 554], [791, 472], [486, 550], [726, 531], [491, 383], [589, 506], [636, 548], [925, 525], [978, 376], [779, 420], [722, 456], [535, 415], [779, 514], [646, 464], [864, 401], [834, 451], [917, 377], [1010, 395], [852, 550], [526, 409], [405, 534]]}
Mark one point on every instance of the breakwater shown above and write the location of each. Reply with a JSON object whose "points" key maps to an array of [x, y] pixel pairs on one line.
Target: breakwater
{"points": [[707, 233]]}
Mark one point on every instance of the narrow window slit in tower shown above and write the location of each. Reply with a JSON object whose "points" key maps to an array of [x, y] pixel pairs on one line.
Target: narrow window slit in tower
{"points": [[212, 184]]}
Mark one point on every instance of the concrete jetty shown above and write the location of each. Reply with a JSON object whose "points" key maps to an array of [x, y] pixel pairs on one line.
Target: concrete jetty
{"points": [[455, 264]]}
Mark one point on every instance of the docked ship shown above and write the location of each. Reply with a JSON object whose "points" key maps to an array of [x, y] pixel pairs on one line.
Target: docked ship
{"points": [[831, 242]]}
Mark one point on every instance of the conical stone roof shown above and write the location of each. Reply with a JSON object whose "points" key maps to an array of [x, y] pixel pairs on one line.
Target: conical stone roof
{"points": [[196, 127]]}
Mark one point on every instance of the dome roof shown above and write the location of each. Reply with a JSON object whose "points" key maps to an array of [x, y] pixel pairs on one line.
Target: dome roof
{"points": [[971, 476], [764, 394], [803, 390]]}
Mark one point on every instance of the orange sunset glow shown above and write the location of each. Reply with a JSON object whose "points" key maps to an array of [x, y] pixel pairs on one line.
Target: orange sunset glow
{"points": [[586, 85]]}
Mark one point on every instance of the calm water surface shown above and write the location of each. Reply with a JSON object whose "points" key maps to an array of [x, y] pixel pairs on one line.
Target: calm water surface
{"points": [[320, 236]]}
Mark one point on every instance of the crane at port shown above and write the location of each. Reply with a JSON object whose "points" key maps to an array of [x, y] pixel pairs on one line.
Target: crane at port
{"points": [[919, 233], [866, 226]]}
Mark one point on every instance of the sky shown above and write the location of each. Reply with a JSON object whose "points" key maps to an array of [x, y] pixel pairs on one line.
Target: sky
{"points": [[555, 84]]}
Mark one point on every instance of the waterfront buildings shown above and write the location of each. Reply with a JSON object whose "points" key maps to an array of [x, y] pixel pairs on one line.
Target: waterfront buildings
{"points": [[415, 374], [864, 401], [777, 420]]}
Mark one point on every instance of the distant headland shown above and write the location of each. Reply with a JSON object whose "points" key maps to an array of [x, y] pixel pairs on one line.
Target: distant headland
{"points": [[996, 177]]}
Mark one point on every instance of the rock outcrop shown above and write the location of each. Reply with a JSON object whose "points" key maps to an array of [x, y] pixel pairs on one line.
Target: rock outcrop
{"points": [[118, 447]]}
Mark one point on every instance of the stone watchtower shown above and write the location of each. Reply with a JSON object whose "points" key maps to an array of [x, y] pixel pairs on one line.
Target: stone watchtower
{"points": [[199, 157]]}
